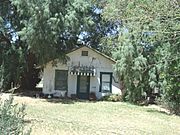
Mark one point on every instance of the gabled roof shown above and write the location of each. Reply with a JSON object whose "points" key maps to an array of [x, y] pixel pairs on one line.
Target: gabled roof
{"points": [[94, 50]]}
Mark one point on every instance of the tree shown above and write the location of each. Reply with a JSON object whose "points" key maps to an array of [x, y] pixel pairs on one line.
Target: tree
{"points": [[51, 27], [10, 61], [150, 48], [43, 30]]}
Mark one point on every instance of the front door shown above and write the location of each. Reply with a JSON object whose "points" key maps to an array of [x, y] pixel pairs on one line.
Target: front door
{"points": [[83, 84]]}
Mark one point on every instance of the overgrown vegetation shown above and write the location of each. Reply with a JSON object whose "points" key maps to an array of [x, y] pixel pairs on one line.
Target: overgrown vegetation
{"points": [[147, 48], [12, 118]]}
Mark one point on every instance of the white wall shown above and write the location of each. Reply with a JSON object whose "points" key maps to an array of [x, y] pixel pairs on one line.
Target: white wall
{"points": [[72, 84], [48, 79], [101, 64]]}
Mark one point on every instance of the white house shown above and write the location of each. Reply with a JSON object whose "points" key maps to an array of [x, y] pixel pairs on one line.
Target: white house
{"points": [[87, 71]]}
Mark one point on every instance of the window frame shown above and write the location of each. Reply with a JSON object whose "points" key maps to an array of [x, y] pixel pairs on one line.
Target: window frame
{"points": [[110, 81], [55, 80]]}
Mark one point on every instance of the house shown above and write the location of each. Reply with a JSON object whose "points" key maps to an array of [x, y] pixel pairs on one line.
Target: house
{"points": [[87, 71]]}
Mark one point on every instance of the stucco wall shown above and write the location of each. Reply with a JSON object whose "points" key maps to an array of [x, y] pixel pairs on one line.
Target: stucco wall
{"points": [[101, 64]]}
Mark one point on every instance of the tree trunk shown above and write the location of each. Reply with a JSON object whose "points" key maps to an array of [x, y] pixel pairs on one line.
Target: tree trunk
{"points": [[30, 77]]}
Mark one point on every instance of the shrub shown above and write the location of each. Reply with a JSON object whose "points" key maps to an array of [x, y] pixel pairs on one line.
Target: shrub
{"points": [[112, 97], [12, 118], [173, 107]]}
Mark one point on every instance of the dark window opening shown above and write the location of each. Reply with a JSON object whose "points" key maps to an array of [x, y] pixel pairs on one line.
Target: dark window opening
{"points": [[61, 79]]}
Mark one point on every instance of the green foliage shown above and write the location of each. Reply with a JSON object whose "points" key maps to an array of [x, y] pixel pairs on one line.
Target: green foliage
{"points": [[131, 67], [51, 27], [169, 76], [11, 65], [35, 32], [112, 97], [12, 118], [12, 57], [147, 47]]}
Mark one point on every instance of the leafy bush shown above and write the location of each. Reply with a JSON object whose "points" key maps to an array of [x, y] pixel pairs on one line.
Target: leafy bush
{"points": [[173, 107], [12, 118], [112, 97]]}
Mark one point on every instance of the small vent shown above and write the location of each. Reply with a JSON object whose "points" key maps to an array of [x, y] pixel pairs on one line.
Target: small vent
{"points": [[84, 53]]}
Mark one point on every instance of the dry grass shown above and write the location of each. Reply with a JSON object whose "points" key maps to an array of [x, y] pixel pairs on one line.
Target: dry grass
{"points": [[66, 117]]}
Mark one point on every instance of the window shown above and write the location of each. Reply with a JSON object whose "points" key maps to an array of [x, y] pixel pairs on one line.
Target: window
{"points": [[84, 53], [105, 82], [61, 78]]}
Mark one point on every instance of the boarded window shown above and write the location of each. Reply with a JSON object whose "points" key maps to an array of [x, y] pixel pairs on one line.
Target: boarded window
{"points": [[105, 82], [84, 53], [61, 80]]}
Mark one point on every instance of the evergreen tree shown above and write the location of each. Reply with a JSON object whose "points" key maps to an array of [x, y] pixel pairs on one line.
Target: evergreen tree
{"points": [[148, 46], [11, 58], [39, 31], [51, 27]]}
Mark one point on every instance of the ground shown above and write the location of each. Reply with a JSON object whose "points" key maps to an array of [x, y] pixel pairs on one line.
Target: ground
{"points": [[67, 117]]}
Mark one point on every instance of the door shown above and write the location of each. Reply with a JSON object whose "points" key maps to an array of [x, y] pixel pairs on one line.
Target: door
{"points": [[83, 84]]}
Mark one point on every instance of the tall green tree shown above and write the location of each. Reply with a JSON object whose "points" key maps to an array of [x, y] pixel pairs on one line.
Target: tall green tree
{"points": [[51, 27], [39, 31], [148, 46], [11, 57]]}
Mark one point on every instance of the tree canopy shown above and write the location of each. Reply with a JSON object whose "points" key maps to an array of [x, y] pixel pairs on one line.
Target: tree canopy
{"points": [[39, 31], [148, 48], [142, 35]]}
